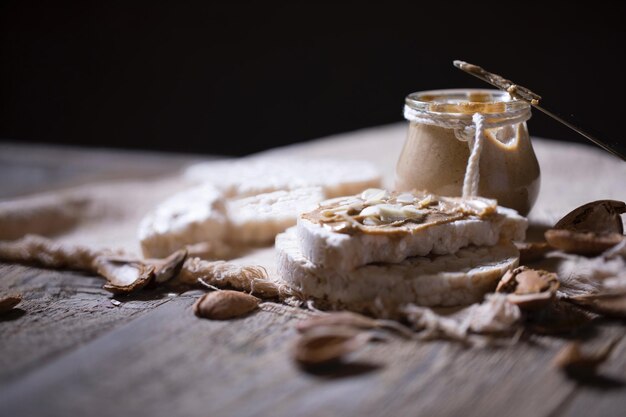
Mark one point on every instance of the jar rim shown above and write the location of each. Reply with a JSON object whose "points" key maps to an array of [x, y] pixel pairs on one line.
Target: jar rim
{"points": [[464, 101]]}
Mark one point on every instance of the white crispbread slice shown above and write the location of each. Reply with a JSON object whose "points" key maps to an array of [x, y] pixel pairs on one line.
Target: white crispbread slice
{"points": [[344, 251], [251, 177], [446, 280], [202, 215], [257, 219], [193, 216]]}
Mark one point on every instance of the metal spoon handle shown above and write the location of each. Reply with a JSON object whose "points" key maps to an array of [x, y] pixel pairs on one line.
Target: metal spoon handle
{"points": [[525, 94], [581, 132]]}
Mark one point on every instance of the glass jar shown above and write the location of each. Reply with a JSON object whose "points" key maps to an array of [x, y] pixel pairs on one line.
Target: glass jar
{"points": [[440, 136]]}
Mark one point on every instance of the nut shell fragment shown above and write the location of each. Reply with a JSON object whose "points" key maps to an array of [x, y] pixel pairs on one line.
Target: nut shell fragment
{"points": [[532, 251], [572, 359], [530, 289], [224, 305], [167, 268], [328, 344], [582, 243], [602, 216], [123, 275], [607, 304], [7, 302], [355, 320]]}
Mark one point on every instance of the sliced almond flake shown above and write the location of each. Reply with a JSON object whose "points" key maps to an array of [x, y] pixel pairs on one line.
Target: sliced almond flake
{"points": [[374, 195], [371, 211], [391, 212], [405, 198], [413, 213]]}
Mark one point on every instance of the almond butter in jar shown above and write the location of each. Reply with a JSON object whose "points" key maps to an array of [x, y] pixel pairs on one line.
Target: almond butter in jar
{"points": [[442, 134]]}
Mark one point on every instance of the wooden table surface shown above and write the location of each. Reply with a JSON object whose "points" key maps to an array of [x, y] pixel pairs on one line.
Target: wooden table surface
{"points": [[68, 351]]}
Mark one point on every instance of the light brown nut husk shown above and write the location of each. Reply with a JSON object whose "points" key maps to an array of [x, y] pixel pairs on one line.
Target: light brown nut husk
{"points": [[7, 302], [350, 319], [602, 216], [532, 251], [530, 289], [328, 344], [168, 268], [123, 275], [612, 304], [224, 305], [572, 359], [582, 243]]}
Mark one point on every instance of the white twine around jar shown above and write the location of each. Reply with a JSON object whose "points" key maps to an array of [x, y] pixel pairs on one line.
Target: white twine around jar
{"points": [[470, 131]]}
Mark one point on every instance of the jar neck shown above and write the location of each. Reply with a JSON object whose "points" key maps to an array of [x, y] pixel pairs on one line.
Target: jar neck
{"points": [[455, 108], [466, 120]]}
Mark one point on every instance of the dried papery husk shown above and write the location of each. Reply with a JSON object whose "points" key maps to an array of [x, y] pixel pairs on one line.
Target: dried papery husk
{"points": [[532, 251], [224, 305], [350, 319], [530, 289], [222, 274], [7, 302], [582, 243], [328, 344], [123, 275], [615, 284], [168, 268], [433, 325], [584, 276], [611, 304], [572, 359], [616, 251], [38, 250], [602, 217], [494, 315]]}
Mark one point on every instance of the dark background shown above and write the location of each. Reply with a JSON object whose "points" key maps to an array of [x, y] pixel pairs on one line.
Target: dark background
{"points": [[237, 78]]}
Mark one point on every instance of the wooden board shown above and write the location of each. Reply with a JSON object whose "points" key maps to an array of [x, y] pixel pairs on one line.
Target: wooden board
{"points": [[68, 350]]}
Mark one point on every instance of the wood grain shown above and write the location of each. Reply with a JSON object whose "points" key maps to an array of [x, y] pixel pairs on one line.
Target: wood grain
{"points": [[168, 362], [67, 350], [59, 311]]}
